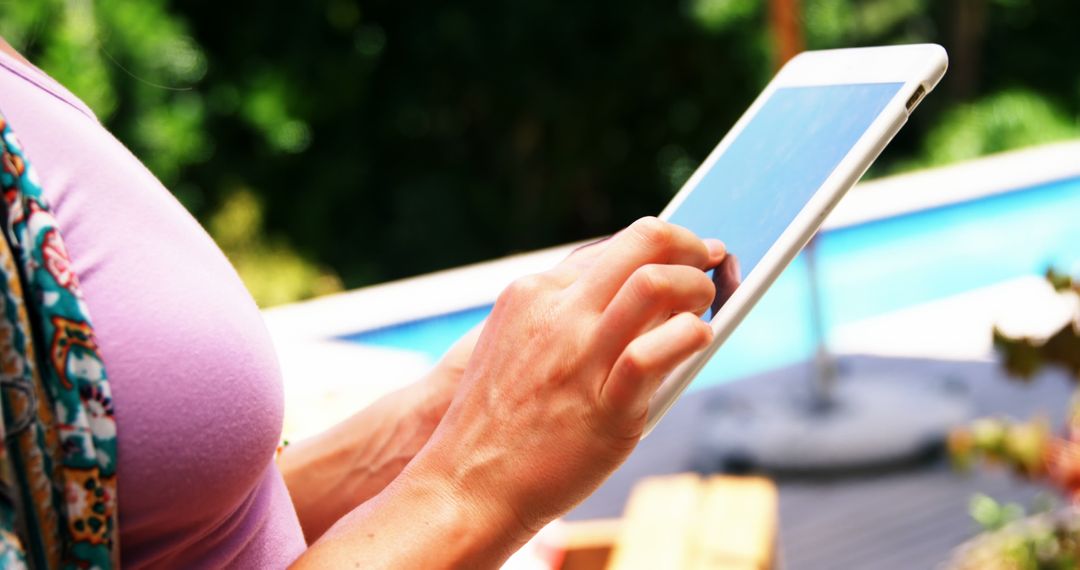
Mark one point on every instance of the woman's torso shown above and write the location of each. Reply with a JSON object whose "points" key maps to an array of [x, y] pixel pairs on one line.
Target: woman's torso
{"points": [[194, 377]]}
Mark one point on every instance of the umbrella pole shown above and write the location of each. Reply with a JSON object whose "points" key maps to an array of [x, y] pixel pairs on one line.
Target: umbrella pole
{"points": [[824, 370]]}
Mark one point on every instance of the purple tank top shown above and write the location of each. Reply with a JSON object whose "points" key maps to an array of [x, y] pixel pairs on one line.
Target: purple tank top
{"points": [[194, 376]]}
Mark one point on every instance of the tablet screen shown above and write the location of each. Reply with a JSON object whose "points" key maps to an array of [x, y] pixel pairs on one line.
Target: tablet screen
{"points": [[768, 173]]}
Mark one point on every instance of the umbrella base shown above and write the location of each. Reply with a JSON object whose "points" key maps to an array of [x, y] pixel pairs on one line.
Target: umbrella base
{"points": [[869, 421]]}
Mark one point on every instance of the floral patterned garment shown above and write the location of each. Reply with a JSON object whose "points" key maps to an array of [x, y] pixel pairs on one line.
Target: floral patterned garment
{"points": [[58, 464]]}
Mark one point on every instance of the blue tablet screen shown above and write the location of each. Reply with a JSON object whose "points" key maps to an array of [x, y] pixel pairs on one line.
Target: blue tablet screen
{"points": [[765, 177]]}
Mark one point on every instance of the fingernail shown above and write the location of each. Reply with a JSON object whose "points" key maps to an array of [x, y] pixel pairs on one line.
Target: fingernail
{"points": [[716, 248]]}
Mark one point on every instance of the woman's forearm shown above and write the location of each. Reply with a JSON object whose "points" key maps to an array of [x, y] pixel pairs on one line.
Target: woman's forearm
{"points": [[554, 398], [330, 474], [419, 521]]}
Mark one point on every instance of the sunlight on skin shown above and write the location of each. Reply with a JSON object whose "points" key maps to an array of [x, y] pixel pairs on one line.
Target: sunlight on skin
{"points": [[534, 427]]}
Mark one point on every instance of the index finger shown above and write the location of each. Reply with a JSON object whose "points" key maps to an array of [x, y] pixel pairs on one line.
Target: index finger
{"points": [[648, 240]]}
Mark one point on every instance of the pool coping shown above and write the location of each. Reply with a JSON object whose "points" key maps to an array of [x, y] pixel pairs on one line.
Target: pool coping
{"points": [[990, 175]]}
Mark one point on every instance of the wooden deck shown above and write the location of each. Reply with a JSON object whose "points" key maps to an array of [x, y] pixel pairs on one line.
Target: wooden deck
{"points": [[907, 517]]}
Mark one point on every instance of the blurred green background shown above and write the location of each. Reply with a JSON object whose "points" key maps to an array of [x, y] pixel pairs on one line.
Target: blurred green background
{"points": [[330, 144]]}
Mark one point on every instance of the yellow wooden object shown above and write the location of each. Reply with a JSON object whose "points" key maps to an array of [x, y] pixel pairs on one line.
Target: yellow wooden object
{"points": [[588, 543], [684, 521], [736, 525], [659, 524]]}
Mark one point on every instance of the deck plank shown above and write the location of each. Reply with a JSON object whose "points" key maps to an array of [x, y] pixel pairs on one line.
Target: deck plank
{"points": [[910, 518]]}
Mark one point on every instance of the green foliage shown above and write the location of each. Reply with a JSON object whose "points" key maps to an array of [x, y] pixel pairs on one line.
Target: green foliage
{"points": [[386, 139], [718, 15], [845, 23], [1026, 356], [137, 66], [1022, 446], [272, 271], [1002, 121], [1046, 542], [992, 515], [133, 63], [1062, 282], [1031, 450], [431, 138]]}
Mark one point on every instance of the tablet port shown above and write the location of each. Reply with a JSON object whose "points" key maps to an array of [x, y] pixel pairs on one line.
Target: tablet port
{"points": [[917, 96]]}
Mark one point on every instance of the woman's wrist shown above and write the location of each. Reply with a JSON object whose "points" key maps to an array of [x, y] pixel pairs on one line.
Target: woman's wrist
{"points": [[421, 520], [330, 474], [482, 528]]}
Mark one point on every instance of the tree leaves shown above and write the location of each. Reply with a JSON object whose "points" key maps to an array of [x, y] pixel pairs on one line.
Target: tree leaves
{"points": [[1023, 357]]}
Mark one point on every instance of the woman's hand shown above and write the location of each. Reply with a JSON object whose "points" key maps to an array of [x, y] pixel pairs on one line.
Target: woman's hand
{"points": [[553, 398], [329, 474], [557, 391]]}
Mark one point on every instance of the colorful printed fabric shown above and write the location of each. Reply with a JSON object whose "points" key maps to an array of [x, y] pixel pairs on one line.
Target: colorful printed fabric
{"points": [[58, 464]]}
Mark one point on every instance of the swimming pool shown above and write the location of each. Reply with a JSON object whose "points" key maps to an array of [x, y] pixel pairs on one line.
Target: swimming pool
{"points": [[864, 270]]}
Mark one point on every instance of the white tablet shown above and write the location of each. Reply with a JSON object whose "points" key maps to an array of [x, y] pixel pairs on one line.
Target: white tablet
{"points": [[767, 187]]}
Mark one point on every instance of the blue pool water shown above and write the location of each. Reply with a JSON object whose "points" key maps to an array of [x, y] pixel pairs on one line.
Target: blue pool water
{"points": [[864, 271]]}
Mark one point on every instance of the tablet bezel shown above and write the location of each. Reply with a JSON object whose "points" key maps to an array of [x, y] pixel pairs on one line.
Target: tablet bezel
{"points": [[918, 67]]}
